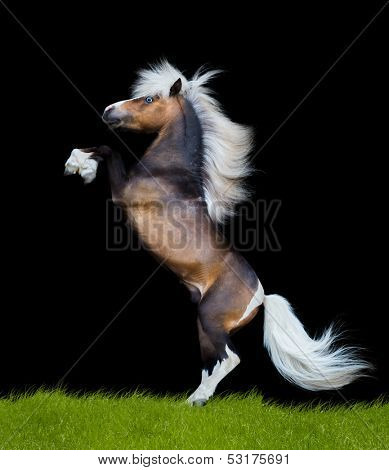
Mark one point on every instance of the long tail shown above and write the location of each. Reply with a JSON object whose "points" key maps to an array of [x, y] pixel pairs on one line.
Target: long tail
{"points": [[313, 364]]}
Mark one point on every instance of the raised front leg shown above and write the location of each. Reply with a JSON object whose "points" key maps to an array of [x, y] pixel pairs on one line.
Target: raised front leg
{"points": [[85, 161], [81, 162]]}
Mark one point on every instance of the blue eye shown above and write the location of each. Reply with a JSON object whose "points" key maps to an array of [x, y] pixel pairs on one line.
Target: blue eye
{"points": [[148, 99]]}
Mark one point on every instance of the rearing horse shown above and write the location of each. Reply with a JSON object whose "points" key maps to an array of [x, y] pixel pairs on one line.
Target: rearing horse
{"points": [[188, 182]]}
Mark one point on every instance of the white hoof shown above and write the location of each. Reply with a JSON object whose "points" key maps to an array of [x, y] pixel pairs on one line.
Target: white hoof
{"points": [[199, 403], [199, 397], [80, 162]]}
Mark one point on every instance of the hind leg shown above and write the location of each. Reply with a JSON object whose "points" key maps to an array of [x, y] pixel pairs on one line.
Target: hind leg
{"points": [[218, 356], [228, 305]]}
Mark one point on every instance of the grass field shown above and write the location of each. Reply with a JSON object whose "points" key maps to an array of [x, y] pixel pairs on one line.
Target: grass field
{"points": [[56, 420]]}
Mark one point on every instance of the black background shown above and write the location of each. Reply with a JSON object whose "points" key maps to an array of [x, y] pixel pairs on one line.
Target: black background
{"points": [[326, 165]]}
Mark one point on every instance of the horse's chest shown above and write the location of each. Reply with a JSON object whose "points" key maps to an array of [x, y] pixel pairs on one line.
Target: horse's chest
{"points": [[164, 221], [142, 192]]}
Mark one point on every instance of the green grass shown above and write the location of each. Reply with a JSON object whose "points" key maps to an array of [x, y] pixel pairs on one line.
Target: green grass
{"points": [[56, 420]]}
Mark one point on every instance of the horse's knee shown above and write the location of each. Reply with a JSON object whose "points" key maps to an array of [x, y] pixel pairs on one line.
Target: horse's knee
{"points": [[104, 151], [215, 343]]}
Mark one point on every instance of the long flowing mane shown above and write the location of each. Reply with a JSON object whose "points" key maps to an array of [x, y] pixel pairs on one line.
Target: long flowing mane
{"points": [[226, 144]]}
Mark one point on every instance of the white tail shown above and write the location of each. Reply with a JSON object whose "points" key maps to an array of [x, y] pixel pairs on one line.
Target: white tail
{"points": [[313, 364]]}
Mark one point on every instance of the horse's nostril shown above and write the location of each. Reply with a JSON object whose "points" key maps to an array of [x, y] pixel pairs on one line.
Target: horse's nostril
{"points": [[112, 116], [106, 114]]}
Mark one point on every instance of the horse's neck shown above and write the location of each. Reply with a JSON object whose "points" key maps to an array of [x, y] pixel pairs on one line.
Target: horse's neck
{"points": [[179, 143]]}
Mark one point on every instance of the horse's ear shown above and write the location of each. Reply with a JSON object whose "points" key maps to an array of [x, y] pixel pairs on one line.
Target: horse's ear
{"points": [[176, 87]]}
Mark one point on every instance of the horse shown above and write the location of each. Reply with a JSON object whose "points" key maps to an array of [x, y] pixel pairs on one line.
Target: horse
{"points": [[188, 183]]}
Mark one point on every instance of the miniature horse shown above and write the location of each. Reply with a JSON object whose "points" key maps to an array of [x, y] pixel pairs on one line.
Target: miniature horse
{"points": [[188, 182]]}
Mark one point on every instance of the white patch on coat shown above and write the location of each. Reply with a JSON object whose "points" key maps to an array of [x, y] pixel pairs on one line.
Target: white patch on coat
{"points": [[80, 162], [255, 302], [115, 105], [209, 382]]}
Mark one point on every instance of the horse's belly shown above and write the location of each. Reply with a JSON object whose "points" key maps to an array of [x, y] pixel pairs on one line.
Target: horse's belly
{"points": [[186, 241]]}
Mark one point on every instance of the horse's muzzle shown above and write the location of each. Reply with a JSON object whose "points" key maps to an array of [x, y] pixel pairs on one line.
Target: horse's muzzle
{"points": [[110, 117]]}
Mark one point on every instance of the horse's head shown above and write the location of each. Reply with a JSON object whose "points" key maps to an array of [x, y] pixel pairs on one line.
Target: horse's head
{"points": [[144, 114]]}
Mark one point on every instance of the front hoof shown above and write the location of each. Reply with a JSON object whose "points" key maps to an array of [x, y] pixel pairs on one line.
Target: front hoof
{"points": [[201, 402], [82, 163]]}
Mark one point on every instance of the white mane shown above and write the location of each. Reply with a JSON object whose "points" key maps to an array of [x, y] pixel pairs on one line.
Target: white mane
{"points": [[226, 145]]}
